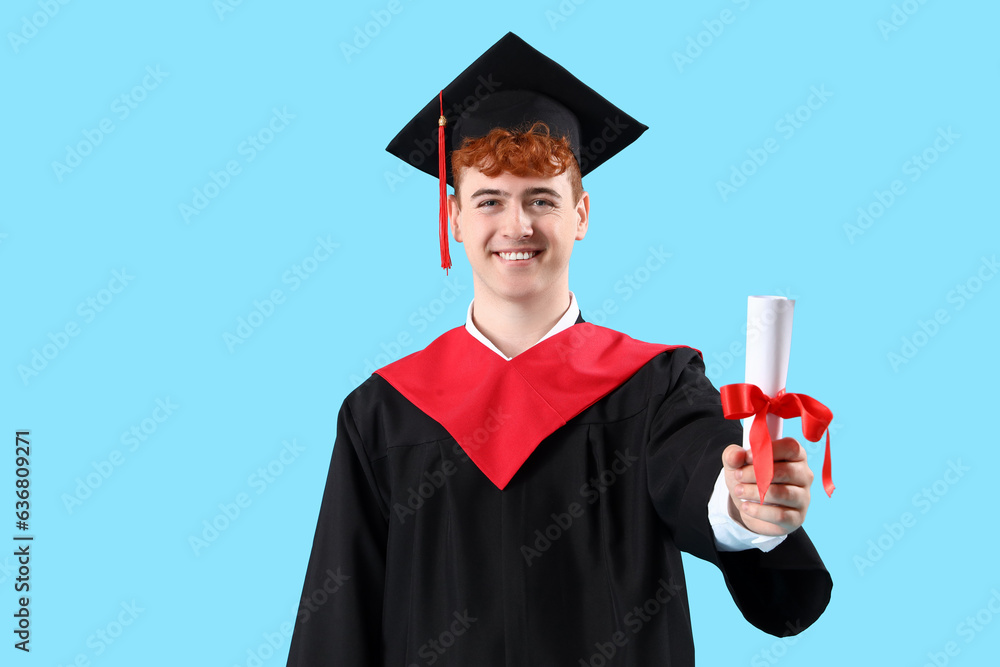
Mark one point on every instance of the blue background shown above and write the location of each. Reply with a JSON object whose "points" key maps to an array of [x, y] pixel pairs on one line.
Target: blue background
{"points": [[225, 71]]}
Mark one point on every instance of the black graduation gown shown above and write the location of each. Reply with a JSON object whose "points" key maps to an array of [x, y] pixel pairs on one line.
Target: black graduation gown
{"points": [[420, 559]]}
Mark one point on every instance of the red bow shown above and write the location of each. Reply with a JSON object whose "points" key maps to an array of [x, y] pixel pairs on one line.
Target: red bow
{"points": [[745, 400]]}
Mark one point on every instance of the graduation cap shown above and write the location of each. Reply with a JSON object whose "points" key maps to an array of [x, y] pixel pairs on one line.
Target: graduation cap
{"points": [[511, 85]]}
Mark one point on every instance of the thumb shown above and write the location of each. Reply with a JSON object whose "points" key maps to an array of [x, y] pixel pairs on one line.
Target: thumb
{"points": [[733, 457]]}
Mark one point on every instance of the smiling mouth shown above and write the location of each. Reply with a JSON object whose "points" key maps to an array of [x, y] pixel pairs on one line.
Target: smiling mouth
{"points": [[517, 256]]}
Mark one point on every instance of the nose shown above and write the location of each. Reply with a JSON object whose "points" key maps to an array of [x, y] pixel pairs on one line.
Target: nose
{"points": [[516, 224]]}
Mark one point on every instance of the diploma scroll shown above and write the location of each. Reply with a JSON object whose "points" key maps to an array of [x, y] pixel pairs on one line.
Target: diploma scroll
{"points": [[769, 341]]}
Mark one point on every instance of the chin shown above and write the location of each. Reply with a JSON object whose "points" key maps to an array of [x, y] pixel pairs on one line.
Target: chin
{"points": [[520, 292]]}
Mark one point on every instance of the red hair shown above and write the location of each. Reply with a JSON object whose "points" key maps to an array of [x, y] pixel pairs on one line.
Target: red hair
{"points": [[531, 152]]}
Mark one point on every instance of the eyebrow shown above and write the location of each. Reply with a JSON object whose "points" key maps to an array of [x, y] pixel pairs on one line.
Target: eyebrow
{"points": [[503, 193]]}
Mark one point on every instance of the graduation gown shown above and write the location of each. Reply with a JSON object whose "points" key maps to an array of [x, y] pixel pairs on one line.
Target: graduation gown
{"points": [[532, 512]]}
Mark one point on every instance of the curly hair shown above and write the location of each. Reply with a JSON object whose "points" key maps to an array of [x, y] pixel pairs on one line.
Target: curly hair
{"points": [[521, 152]]}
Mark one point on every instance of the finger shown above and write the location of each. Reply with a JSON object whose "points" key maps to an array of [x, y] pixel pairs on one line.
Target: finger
{"points": [[797, 473], [784, 472], [733, 457], [788, 449], [784, 519], [783, 495]]}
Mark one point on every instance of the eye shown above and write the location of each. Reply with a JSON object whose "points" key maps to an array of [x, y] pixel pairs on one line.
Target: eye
{"points": [[542, 202], [488, 203]]}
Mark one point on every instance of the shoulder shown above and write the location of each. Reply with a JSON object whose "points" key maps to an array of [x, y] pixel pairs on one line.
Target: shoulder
{"points": [[383, 418], [616, 343], [664, 379], [381, 390], [639, 368]]}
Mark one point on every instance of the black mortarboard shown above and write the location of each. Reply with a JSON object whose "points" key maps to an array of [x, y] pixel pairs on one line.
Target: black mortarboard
{"points": [[512, 85]]}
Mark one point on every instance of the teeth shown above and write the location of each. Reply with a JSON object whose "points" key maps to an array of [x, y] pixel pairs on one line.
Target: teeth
{"points": [[517, 255]]}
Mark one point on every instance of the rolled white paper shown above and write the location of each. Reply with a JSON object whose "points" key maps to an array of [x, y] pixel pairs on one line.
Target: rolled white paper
{"points": [[769, 341]]}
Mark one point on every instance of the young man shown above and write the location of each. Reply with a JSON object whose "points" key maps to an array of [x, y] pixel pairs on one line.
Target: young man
{"points": [[519, 492]]}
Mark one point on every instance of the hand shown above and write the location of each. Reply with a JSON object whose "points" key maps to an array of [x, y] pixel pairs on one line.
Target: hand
{"points": [[787, 498]]}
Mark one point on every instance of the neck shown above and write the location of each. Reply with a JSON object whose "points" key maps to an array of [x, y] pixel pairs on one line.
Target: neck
{"points": [[514, 326]]}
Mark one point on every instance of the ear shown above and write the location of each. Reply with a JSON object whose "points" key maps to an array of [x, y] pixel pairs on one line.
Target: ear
{"points": [[454, 213], [582, 215]]}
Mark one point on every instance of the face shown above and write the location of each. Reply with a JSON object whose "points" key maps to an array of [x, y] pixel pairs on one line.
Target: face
{"points": [[518, 232]]}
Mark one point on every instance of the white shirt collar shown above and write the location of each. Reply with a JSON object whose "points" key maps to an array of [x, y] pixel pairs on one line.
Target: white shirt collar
{"points": [[567, 320]]}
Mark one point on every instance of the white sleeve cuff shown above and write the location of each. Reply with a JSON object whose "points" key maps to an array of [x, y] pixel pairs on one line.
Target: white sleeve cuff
{"points": [[730, 535]]}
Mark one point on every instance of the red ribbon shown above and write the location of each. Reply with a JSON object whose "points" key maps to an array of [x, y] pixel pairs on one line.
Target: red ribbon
{"points": [[742, 400]]}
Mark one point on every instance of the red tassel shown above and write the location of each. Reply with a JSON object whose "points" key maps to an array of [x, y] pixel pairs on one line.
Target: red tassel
{"points": [[443, 179]]}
